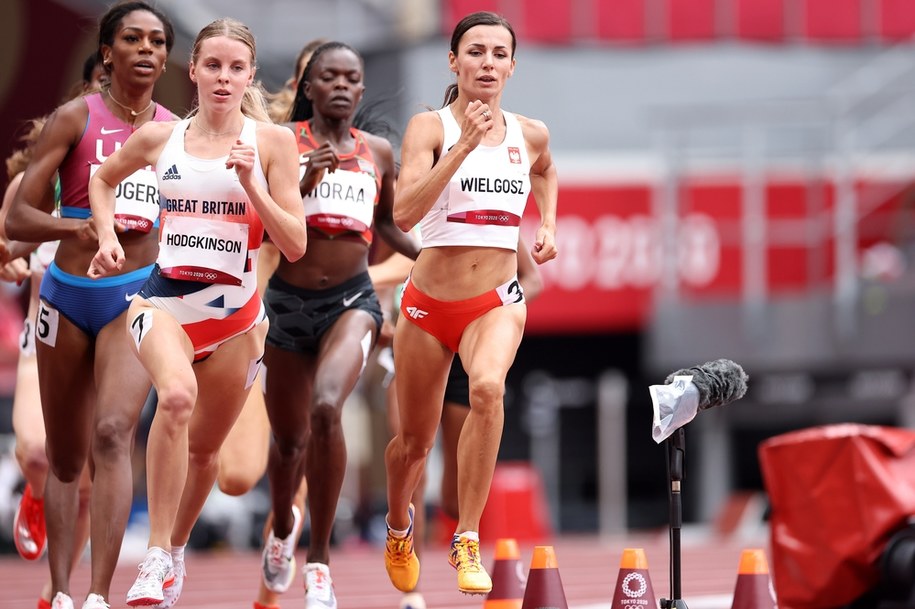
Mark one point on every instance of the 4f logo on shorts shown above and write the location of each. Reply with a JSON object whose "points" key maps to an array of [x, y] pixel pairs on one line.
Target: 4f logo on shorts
{"points": [[416, 313]]}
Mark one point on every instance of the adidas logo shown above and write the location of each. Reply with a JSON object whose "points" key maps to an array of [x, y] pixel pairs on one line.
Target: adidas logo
{"points": [[416, 313], [171, 173]]}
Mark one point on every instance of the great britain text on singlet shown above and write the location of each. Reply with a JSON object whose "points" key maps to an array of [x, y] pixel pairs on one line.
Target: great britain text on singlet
{"points": [[226, 208]]}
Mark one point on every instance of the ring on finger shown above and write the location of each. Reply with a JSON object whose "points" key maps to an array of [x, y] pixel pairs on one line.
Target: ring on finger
{"points": [[486, 114]]}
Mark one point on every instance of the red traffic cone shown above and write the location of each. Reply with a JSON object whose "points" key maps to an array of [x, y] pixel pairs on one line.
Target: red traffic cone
{"points": [[754, 587], [633, 585], [507, 577], [544, 586]]}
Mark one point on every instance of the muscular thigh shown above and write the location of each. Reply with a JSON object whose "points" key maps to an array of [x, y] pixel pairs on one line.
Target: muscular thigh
{"points": [[421, 363], [67, 387], [123, 383], [223, 382], [342, 354], [160, 342], [27, 419], [245, 448], [289, 383], [65, 366], [490, 342]]}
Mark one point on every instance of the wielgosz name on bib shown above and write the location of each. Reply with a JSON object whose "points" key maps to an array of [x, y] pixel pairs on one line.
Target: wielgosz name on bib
{"points": [[193, 206], [496, 185]]}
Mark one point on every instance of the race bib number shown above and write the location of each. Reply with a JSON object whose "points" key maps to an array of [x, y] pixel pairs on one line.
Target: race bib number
{"points": [[140, 327], [27, 338], [47, 322], [343, 200], [511, 292], [211, 251], [254, 367], [136, 200]]}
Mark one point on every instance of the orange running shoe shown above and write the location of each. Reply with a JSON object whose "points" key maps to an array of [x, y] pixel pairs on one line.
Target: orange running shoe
{"points": [[465, 557], [29, 532], [400, 559]]}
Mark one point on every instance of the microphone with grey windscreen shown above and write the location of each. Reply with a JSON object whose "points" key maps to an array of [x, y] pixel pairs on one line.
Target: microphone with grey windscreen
{"points": [[690, 390]]}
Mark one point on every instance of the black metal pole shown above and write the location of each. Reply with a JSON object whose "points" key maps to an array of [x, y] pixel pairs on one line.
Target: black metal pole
{"points": [[676, 452]]}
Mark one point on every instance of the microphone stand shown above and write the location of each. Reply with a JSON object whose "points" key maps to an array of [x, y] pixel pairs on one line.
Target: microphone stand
{"points": [[676, 452]]}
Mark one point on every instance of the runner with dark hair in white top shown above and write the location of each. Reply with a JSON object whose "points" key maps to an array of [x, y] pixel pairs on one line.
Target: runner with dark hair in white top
{"points": [[466, 174]]}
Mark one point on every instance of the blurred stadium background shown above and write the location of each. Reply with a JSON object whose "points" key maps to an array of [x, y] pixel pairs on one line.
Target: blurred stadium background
{"points": [[735, 181]]}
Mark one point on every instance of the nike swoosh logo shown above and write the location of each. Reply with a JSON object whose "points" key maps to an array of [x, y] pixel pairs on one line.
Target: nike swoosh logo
{"points": [[129, 297], [104, 131], [348, 301]]}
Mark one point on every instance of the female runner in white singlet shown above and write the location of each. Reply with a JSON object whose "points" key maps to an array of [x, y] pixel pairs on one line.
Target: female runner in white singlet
{"points": [[225, 176]]}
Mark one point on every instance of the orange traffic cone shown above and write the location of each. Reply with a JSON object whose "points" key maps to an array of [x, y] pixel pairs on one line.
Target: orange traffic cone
{"points": [[507, 577], [544, 587], [754, 587], [633, 585]]}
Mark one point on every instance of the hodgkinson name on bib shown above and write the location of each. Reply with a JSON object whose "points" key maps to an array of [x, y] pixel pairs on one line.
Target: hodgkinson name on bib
{"points": [[212, 251]]}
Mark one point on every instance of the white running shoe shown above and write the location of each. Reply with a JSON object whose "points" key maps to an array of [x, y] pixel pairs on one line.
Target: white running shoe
{"points": [[147, 589], [319, 587], [278, 564], [61, 601], [177, 575], [412, 600], [95, 601]]}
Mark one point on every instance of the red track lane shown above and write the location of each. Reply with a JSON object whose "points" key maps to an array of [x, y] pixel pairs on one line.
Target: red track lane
{"points": [[588, 568]]}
